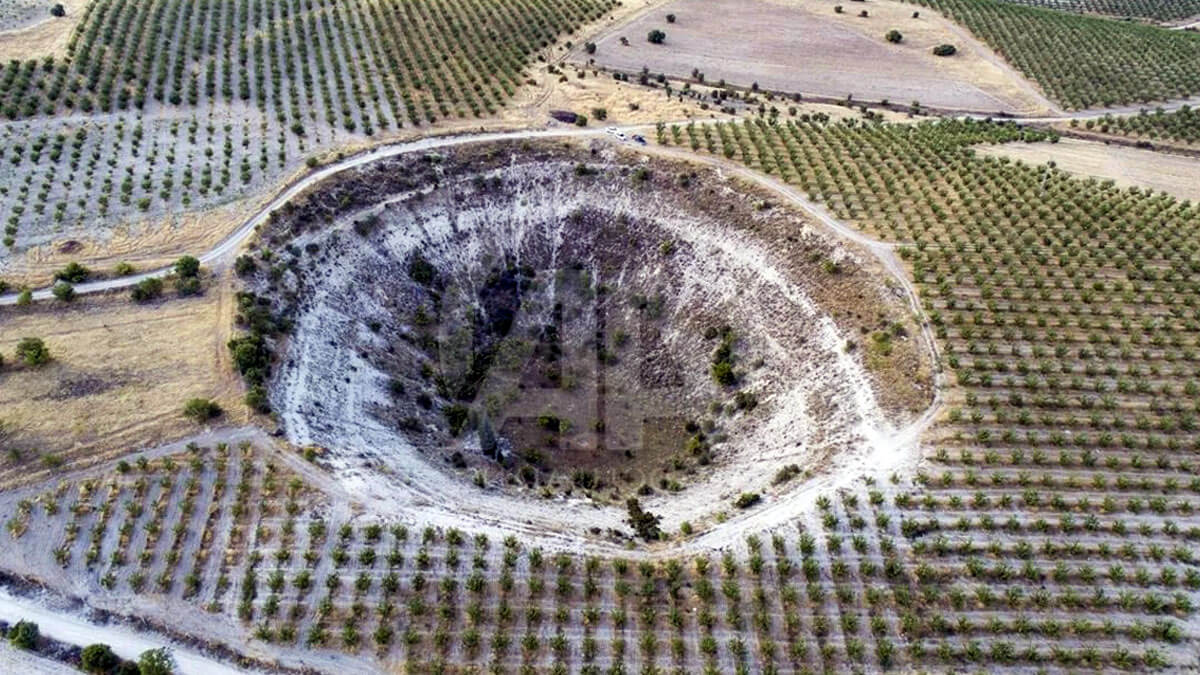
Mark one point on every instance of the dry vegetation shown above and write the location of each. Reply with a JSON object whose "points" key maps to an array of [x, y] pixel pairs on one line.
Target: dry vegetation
{"points": [[843, 54], [1127, 167], [117, 380], [28, 31]]}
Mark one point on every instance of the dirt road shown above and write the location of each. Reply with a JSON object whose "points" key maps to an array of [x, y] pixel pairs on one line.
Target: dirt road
{"points": [[74, 629], [224, 252]]}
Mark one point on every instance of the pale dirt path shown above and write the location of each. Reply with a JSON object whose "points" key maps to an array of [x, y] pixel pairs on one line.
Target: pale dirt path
{"points": [[13, 660], [74, 629], [1096, 113], [223, 253]]}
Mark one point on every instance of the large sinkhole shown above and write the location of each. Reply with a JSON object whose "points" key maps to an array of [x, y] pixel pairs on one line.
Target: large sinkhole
{"points": [[562, 321]]}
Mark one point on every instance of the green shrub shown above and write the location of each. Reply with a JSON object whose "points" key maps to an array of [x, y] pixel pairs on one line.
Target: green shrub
{"points": [[656, 37], [421, 270], [786, 474], [187, 266], [251, 357], [156, 662], [63, 291], [146, 289], [643, 522], [256, 399], [894, 37], [722, 360], [747, 499], [945, 50], [32, 351], [244, 265], [456, 417], [187, 286], [201, 410], [24, 635], [98, 658], [73, 273], [722, 372]]}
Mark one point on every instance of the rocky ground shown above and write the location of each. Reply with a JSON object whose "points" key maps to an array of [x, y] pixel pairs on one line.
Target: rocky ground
{"points": [[506, 324]]}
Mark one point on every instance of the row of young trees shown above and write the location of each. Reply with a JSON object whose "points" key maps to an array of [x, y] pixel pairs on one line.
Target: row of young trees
{"points": [[370, 65], [1084, 61], [882, 576], [1068, 315], [1180, 126], [1160, 10], [97, 658], [312, 72]]}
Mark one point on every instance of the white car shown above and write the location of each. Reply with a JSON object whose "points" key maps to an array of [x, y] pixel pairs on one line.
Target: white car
{"points": [[611, 130]]}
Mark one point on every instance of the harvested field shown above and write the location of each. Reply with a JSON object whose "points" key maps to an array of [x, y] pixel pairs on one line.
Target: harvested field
{"points": [[1128, 167], [118, 377], [805, 47]]}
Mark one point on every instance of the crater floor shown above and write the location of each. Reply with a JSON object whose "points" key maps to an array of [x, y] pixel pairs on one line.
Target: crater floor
{"points": [[582, 328]]}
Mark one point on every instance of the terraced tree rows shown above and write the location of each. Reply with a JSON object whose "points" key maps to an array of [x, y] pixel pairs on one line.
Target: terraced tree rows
{"points": [[1067, 312], [166, 106], [1084, 61], [1180, 126], [1053, 526], [357, 63], [837, 592], [793, 601], [69, 175], [176, 527], [1159, 10]]}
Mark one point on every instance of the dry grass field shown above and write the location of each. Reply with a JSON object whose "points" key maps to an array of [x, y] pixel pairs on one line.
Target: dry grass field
{"points": [[807, 47], [29, 32], [119, 376], [1128, 167]]}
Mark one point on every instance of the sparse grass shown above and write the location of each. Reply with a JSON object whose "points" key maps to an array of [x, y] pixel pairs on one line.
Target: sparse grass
{"points": [[117, 378]]}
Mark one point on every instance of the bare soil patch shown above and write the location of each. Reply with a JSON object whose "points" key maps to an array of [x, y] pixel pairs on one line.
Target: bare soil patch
{"points": [[1128, 167], [805, 47]]}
